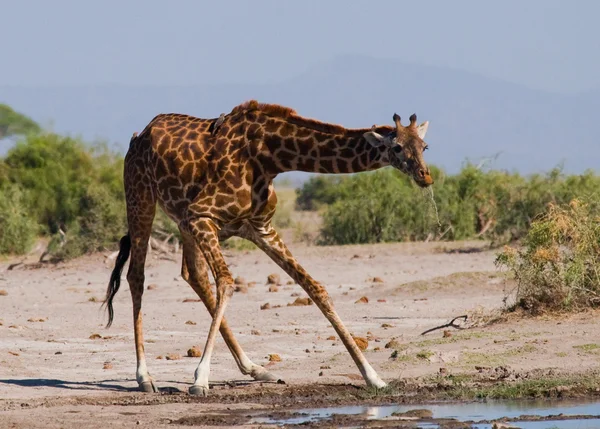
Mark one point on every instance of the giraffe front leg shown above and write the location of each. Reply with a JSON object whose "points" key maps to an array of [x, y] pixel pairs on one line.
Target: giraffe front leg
{"points": [[205, 235], [269, 241], [194, 271]]}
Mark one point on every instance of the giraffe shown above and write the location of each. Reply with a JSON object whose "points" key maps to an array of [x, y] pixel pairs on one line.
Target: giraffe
{"points": [[214, 179]]}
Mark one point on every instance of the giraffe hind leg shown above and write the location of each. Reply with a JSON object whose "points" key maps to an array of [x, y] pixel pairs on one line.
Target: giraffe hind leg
{"points": [[141, 208]]}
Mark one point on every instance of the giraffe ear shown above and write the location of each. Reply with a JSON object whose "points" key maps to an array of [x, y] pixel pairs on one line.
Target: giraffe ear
{"points": [[422, 129], [375, 139]]}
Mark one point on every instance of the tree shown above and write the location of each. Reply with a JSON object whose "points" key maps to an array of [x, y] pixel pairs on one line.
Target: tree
{"points": [[14, 123]]}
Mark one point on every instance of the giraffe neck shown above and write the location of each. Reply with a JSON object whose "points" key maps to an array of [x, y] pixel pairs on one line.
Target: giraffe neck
{"points": [[318, 152]]}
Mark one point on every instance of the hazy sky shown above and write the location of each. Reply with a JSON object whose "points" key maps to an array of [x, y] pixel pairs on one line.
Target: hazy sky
{"points": [[545, 44]]}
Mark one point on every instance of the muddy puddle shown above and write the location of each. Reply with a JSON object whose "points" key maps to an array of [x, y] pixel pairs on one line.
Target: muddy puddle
{"points": [[480, 415]]}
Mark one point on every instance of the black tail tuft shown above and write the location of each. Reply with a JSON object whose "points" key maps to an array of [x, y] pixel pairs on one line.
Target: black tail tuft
{"points": [[115, 277]]}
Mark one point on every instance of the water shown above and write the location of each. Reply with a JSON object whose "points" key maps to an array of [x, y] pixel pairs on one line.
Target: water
{"points": [[435, 209], [476, 411]]}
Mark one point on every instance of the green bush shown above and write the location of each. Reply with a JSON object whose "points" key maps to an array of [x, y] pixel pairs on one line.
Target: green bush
{"points": [[318, 191], [475, 203], [57, 172], [100, 225], [17, 229], [71, 191], [376, 207], [558, 267]]}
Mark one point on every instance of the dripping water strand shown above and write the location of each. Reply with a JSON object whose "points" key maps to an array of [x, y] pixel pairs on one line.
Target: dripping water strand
{"points": [[434, 205]]}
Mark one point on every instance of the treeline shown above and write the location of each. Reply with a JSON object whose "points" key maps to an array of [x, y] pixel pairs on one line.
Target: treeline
{"points": [[385, 205]]}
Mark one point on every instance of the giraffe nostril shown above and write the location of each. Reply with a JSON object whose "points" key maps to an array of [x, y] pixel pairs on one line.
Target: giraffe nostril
{"points": [[421, 173]]}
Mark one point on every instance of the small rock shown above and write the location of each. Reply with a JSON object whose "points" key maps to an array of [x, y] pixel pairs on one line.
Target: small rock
{"points": [[240, 281], [152, 286], [447, 334], [242, 288], [14, 353], [274, 357], [443, 371], [355, 257], [300, 302], [255, 332], [33, 319], [273, 288], [376, 280], [331, 338], [192, 300], [58, 353], [95, 337], [381, 300], [307, 351], [173, 356], [107, 365], [194, 352], [251, 284], [361, 342], [159, 357], [325, 367], [387, 325], [273, 279], [265, 306], [321, 374], [392, 344], [362, 300], [190, 322], [93, 299], [290, 282], [3, 292], [295, 294]]}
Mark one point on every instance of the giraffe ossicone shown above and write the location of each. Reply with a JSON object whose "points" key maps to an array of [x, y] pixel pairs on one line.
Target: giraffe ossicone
{"points": [[214, 179]]}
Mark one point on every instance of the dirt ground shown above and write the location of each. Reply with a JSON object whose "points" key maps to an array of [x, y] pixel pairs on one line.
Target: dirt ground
{"points": [[59, 366]]}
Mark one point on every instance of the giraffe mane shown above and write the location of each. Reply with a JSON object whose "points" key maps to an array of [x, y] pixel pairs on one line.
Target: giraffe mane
{"points": [[292, 117]]}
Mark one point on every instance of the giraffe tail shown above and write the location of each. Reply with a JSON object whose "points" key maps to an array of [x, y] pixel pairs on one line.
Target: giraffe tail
{"points": [[115, 277]]}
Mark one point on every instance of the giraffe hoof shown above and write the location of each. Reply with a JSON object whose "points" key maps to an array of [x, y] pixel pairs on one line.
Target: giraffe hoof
{"points": [[148, 387], [198, 390], [265, 375]]}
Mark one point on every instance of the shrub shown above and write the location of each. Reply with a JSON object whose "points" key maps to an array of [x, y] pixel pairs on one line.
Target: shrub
{"points": [[558, 267], [377, 207], [100, 225], [57, 171], [319, 191], [17, 229]]}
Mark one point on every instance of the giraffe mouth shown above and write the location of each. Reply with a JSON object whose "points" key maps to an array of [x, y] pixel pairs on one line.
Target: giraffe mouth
{"points": [[424, 181]]}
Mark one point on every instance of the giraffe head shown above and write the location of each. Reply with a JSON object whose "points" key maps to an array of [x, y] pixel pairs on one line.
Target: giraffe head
{"points": [[405, 147]]}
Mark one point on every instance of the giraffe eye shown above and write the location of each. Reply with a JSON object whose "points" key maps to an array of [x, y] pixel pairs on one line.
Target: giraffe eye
{"points": [[397, 149]]}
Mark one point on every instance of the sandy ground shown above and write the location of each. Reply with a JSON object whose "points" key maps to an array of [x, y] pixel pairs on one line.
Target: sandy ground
{"points": [[53, 373]]}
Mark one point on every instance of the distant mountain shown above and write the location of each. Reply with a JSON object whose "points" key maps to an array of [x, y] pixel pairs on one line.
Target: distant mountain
{"points": [[471, 116]]}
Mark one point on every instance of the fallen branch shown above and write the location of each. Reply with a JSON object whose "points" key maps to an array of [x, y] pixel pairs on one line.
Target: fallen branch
{"points": [[160, 247], [448, 325], [450, 228], [486, 227], [15, 265]]}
